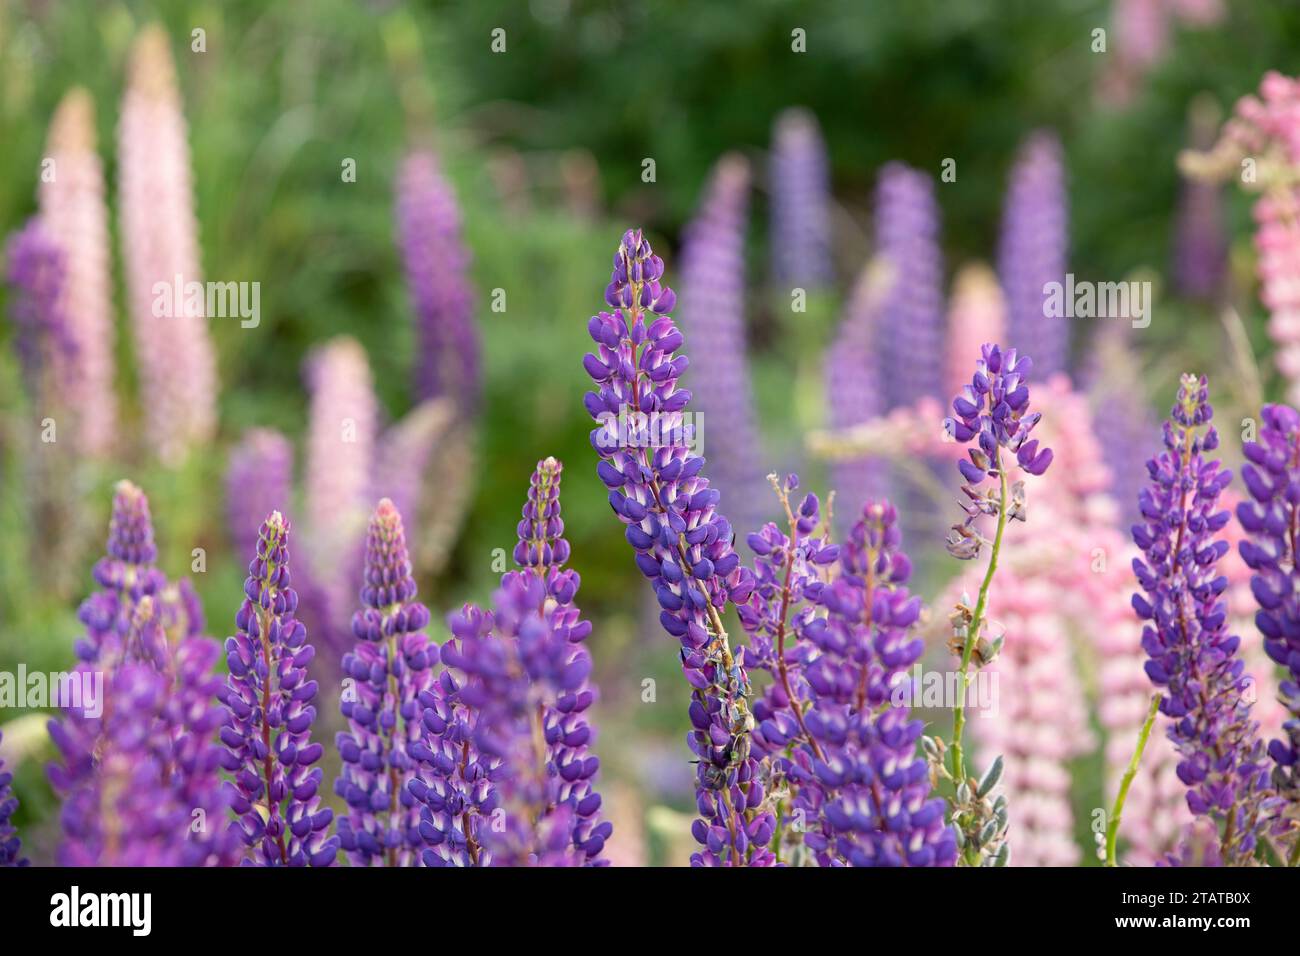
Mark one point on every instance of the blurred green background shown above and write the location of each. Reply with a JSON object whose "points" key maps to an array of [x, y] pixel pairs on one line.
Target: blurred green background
{"points": [[544, 144]]}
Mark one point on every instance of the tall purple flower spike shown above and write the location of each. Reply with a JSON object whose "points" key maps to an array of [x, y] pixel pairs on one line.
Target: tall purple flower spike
{"points": [[384, 675], [1032, 252], [801, 197], [1272, 476], [877, 808], [682, 543], [437, 276], [907, 241], [1192, 657], [713, 321], [10, 846], [269, 716]]}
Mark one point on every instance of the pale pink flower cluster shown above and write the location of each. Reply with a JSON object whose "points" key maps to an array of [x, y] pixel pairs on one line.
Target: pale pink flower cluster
{"points": [[74, 215], [173, 348], [341, 440], [977, 315], [1142, 29]]}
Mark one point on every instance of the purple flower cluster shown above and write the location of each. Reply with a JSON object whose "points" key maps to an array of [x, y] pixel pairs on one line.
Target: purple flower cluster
{"points": [[907, 241], [139, 766], [682, 543], [1032, 252], [1272, 476], [877, 808], [383, 677], [1192, 657], [506, 731], [791, 572], [46, 346], [993, 416], [269, 715], [437, 267], [801, 203], [713, 321], [10, 845], [259, 480]]}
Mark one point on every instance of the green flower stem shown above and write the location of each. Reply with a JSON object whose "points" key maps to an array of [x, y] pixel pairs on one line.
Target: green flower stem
{"points": [[972, 632], [1112, 828]]}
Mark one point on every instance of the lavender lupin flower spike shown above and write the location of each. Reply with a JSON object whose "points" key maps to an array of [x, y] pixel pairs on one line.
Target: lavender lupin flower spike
{"points": [[36, 269], [1032, 253], [10, 845], [268, 701], [713, 321], [682, 543], [907, 241], [1193, 659], [386, 672], [1272, 475], [259, 480], [437, 267], [801, 203]]}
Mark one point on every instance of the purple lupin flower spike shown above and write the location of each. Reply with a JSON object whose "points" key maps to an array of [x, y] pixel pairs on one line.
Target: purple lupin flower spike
{"points": [[1193, 658], [543, 551], [907, 241], [388, 668], [269, 716], [801, 215], [1271, 475], [791, 569], [10, 845], [125, 575], [682, 544], [877, 808], [437, 276], [36, 271], [120, 807], [1032, 252], [259, 480], [993, 416], [713, 321], [853, 392], [454, 783]]}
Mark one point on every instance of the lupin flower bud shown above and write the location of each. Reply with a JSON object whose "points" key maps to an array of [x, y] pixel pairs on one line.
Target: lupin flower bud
{"points": [[437, 277], [269, 715], [10, 845], [178, 370], [1272, 476], [993, 416], [1193, 659], [1032, 253], [384, 675], [682, 544]]}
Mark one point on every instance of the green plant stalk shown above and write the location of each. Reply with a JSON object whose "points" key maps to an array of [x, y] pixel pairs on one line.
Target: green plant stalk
{"points": [[972, 633], [1112, 828]]}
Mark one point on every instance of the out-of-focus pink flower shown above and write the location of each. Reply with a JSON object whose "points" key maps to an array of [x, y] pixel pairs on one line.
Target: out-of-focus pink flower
{"points": [[74, 216], [173, 349], [338, 475], [977, 315]]}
